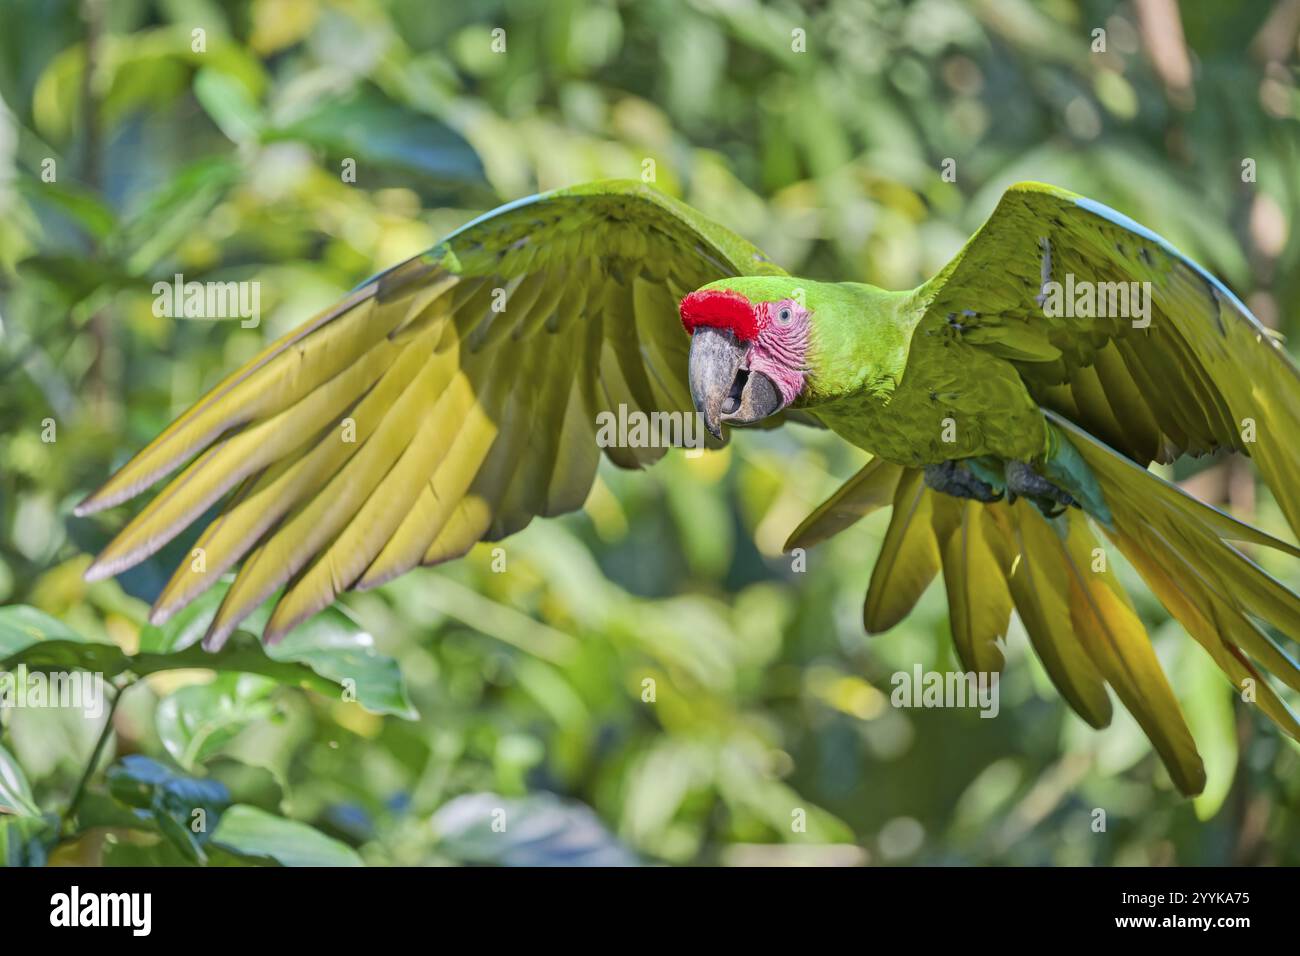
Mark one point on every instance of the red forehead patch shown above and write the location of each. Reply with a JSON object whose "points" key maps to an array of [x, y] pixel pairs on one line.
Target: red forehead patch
{"points": [[720, 309]]}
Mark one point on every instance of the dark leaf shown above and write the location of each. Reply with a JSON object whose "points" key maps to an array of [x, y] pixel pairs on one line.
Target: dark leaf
{"points": [[538, 830], [372, 129], [186, 810]]}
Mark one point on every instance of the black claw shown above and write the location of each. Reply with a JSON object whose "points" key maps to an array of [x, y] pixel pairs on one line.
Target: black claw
{"points": [[955, 479], [1050, 499]]}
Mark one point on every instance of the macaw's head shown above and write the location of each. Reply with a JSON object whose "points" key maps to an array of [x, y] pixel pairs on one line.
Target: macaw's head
{"points": [[749, 348]]}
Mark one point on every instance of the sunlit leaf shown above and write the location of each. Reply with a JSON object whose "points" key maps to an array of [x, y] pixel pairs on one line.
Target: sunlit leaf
{"points": [[31, 637], [329, 654], [196, 721], [255, 833], [229, 104], [330, 651], [15, 792]]}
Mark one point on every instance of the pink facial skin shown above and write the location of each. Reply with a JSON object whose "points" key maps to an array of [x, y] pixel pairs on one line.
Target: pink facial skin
{"points": [[777, 333], [780, 349]]}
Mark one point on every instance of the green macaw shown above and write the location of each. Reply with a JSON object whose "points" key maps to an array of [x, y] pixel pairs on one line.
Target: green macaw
{"points": [[1007, 429]]}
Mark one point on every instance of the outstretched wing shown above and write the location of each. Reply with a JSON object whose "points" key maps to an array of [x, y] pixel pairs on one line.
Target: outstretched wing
{"points": [[444, 402], [1124, 387], [1195, 373]]}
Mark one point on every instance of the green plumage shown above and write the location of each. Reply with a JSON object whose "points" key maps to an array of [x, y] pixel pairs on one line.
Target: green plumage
{"points": [[455, 397]]}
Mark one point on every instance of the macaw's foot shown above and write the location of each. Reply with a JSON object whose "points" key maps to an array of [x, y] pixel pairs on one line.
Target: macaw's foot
{"points": [[954, 478], [1050, 499]]}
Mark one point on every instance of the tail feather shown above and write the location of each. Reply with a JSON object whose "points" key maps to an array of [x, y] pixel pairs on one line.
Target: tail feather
{"points": [[976, 560], [1040, 588], [1114, 638], [1079, 619], [909, 557], [1211, 587], [1205, 622], [870, 489]]}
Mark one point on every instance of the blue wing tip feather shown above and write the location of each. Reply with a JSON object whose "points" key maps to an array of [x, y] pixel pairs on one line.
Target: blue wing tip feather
{"points": [[1132, 225]]}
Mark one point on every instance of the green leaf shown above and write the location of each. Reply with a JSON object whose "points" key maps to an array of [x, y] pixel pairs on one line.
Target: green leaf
{"points": [[139, 782], [120, 852], [81, 654], [136, 853], [26, 841], [173, 213], [243, 653], [21, 625], [15, 791], [73, 279], [102, 810], [328, 652], [229, 103], [185, 810], [251, 832], [32, 637], [335, 647], [1213, 723], [373, 129], [185, 628], [197, 721], [89, 211], [538, 830]]}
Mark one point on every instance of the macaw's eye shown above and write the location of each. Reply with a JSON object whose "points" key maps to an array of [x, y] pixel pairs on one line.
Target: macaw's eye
{"points": [[784, 315]]}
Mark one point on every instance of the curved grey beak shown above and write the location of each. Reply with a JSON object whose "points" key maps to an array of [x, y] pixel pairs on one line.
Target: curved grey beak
{"points": [[722, 388]]}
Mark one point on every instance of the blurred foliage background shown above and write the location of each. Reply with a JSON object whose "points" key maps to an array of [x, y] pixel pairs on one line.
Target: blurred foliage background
{"points": [[530, 686]]}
